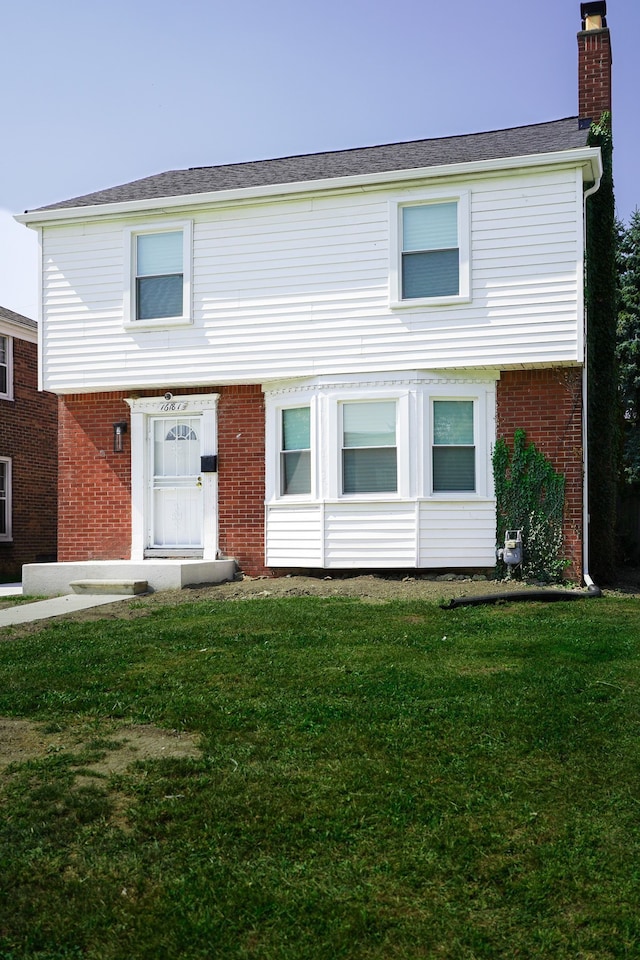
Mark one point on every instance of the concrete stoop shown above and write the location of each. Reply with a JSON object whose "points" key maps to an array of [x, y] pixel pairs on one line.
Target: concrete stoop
{"points": [[122, 577]]}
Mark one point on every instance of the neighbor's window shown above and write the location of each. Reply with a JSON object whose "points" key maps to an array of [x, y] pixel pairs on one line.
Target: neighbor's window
{"points": [[295, 452], [5, 368], [454, 452], [5, 498], [369, 453], [159, 275], [430, 251]]}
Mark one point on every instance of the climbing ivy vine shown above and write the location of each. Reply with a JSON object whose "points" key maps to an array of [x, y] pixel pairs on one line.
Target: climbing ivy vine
{"points": [[530, 497]]}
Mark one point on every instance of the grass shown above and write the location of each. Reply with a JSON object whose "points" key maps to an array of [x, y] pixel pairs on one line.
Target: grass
{"points": [[376, 781]]}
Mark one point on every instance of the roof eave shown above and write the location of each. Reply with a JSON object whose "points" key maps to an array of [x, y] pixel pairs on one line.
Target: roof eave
{"points": [[588, 158]]}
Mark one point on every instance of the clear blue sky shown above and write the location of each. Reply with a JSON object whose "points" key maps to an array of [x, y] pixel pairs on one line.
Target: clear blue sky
{"points": [[96, 94]]}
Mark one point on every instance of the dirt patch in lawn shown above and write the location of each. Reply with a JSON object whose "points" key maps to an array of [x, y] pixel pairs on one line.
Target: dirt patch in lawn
{"points": [[99, 752], [370, 588]]}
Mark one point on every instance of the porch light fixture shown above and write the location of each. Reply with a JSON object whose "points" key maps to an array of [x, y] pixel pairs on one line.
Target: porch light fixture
{"points": [[119, 430]]}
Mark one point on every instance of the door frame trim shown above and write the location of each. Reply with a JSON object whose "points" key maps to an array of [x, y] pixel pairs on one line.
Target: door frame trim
{"points": [[142, 408]]}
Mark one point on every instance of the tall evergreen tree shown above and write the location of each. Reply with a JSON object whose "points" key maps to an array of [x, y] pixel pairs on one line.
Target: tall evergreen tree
{"points": [[628, 349]]}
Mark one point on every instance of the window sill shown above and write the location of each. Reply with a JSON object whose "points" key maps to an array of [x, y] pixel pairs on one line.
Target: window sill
{"points": [[160, 324], [421, 302]]}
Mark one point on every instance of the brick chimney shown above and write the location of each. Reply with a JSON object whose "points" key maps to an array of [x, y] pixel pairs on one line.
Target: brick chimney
{"points": [[594, 63]]}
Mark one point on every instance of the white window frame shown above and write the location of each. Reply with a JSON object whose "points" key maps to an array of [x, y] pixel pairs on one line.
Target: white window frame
{"points": [[343, 448], [8, 393], [8, 535], [273, 449], [462, 198], [335, 440], [292, 497], [131, 235], [480, 434]]}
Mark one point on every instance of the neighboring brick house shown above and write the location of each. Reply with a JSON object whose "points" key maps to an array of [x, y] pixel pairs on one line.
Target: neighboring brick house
{"points": [[305, 362], [28, 451]]}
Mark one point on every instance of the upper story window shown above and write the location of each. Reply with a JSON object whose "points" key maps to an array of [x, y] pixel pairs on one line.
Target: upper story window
{"points": [[158, 291], [159, 275], [295, 451], [6, 368], [369, 450], [453, 451], [430, 252]]}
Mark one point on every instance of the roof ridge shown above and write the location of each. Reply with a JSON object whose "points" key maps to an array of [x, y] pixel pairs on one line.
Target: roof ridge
{"points": [[370, 146]]}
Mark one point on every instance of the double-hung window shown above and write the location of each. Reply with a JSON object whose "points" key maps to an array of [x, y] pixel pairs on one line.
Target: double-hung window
{"points": [[453, 449], [158, 291], [6, 368], [295, 451], [5, 499], [369, 448], [431, 258]]}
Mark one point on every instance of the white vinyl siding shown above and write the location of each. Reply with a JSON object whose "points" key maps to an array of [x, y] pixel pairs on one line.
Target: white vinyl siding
{"points": [[295, 536], [457, 534], [302, 288]]}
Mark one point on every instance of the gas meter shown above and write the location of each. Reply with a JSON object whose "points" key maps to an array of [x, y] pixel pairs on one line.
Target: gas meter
{"points": [[511, 553]]}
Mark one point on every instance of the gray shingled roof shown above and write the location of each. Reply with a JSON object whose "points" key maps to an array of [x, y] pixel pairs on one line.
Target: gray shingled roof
{"points": [[514, 142], [6, 314]]}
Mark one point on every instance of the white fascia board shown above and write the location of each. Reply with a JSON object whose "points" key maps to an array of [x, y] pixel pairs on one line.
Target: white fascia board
{"points": [[588, 158], [18, 331]]}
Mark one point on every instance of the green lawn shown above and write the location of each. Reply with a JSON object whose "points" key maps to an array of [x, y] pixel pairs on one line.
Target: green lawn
{"points": [[376, 781]]}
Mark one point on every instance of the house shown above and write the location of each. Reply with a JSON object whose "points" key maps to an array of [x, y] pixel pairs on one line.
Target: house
{"points": [[28, 451], [304, 363]]}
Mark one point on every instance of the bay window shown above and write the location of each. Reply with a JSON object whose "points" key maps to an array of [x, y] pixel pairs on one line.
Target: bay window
{"points": [[295, 451], [453, 448], [369, 453]]}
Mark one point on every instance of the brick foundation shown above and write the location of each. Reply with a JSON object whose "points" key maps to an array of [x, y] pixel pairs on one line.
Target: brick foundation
{"points": [[547, 405]]}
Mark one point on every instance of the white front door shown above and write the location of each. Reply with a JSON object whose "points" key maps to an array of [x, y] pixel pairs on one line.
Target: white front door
{"points": [[174, 505], [176, 496]]}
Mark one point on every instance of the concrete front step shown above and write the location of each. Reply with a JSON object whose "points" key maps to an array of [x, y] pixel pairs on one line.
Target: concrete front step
{"points": [[53, 579], [126, 588]]}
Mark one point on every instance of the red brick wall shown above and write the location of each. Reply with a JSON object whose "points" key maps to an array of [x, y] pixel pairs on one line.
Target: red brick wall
{"points": [[547, 405], [28, 435], [95, 483], [242, 476], [594, 73]]}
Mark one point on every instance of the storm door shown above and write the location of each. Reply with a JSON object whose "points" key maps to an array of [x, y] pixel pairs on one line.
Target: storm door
{"points": [[176, 501]]}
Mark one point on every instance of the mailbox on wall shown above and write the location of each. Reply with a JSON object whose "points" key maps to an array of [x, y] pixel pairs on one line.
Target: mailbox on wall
{"points": [[209, 464]]}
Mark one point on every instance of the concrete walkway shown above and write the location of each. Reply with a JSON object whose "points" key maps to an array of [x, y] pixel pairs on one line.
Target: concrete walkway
{"points": [[55, 607]]}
